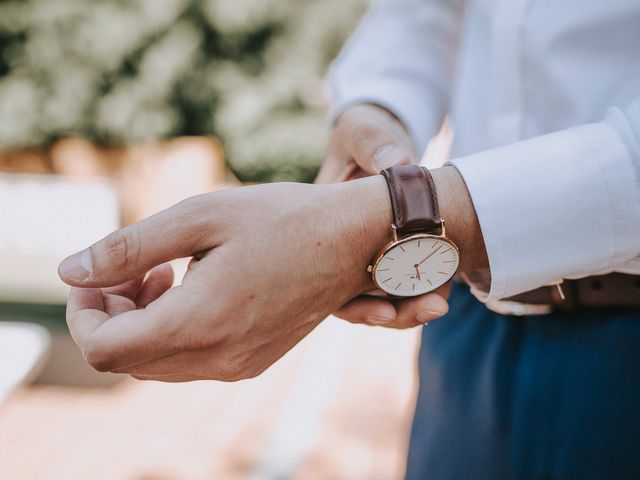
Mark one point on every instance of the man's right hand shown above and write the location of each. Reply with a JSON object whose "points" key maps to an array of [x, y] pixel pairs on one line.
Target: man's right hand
{"points": [[366, 139]]}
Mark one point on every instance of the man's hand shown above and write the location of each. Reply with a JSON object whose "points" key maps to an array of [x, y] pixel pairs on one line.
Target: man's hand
{"points": [[365, 140], [270, 262]]}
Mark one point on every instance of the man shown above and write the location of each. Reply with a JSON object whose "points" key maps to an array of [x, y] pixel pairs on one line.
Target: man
{"points": [[543, 186]]}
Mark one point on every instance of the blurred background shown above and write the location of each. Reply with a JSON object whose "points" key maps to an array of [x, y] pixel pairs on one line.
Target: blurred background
{"points": [[109, 112]]}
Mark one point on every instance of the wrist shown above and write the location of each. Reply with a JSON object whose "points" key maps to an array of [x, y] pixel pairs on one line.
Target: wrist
{"points": [[367, 226], [460, 217]]}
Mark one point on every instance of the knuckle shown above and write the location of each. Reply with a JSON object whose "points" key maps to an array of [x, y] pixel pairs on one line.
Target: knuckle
{"points": [[121, 248], [98, 358], [194, 339], [199, 213], [236, 367], [255, 372], [188, 207], [196, 207], [229, 371], [363, 135]]}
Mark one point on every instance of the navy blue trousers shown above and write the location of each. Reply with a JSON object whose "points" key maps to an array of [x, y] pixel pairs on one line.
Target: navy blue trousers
{"points": [[548, 397]]}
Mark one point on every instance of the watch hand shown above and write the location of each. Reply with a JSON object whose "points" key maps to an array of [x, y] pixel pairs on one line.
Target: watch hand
{"points": [[418, 272], [427, 257]]}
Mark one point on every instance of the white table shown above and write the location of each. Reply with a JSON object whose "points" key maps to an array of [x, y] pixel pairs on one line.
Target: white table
{"points": [[23, 353]]}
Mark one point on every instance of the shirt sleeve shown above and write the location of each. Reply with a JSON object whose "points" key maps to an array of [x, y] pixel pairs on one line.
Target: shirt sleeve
{"points": [[562, 205], [401, 57]]}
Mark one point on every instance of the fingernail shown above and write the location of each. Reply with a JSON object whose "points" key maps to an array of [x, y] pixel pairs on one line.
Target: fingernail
{"points": [[387, 156], [437, 307], [378, 320], [76, 267]]}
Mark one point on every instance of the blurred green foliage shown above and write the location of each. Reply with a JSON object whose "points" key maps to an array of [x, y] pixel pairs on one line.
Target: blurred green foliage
{"points": [[121, 71]]}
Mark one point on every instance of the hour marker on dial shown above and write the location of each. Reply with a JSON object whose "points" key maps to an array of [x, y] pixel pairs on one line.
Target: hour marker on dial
{"points": [[420, 264]]}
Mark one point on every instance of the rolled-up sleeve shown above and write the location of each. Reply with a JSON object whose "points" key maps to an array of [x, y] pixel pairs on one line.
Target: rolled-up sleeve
{"points": [[563, 205], [401, 57]]}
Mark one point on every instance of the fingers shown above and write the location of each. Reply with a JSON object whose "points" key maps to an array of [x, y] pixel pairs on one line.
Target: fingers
{"points": [[182, 365], [420, 310], [132, 251], [121, 298], [85, 312], [133, 337], [174, 378], [159, 281], [375, 149], [368, 309], [191, 365], [375, 139], [407, 313], [128, 289], [116, 300], [366, 139], [336, 168]]}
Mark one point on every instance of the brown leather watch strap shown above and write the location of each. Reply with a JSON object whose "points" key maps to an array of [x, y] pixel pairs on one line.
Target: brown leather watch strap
{"points": [[413, 200]]}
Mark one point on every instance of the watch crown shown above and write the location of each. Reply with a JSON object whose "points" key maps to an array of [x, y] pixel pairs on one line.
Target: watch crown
{"points": [[369, 268]]}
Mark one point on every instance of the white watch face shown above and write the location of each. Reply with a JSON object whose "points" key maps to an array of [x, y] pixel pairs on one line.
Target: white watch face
{"points": [[416, 265]]}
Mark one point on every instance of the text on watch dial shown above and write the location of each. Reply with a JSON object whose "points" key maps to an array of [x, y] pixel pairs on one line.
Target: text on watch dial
{"points": [[416, 266]]}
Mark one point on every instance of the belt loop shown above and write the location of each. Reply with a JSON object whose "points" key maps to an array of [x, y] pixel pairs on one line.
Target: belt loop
{"points": [[570, 301]]}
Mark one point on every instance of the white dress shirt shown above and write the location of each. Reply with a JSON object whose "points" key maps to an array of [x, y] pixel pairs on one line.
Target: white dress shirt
{"points": [[544, 97]]}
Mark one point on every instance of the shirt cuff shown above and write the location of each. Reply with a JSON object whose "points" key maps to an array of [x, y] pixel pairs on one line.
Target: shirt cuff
{"points": [[563, 205]]}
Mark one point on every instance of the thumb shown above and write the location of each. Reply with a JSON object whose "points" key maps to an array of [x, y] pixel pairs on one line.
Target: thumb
{"points": [[136, 249], [374, 148]]}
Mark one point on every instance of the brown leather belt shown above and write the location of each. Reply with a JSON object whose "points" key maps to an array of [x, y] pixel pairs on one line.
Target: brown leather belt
{"points": [[615, 290]]}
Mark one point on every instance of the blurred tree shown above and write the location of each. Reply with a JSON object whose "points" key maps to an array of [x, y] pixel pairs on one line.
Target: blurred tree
{"points": [[122, 71]]}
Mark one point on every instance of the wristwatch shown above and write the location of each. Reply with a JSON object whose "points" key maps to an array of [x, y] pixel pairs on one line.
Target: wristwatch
{"points": [[420, 258]]}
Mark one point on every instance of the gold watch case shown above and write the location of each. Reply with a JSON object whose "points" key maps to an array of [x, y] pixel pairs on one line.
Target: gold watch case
{"points": [[396, 243]]}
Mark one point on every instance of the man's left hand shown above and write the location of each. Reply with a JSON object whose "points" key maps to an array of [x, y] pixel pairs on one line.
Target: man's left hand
{"points": [[270, 263]]}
